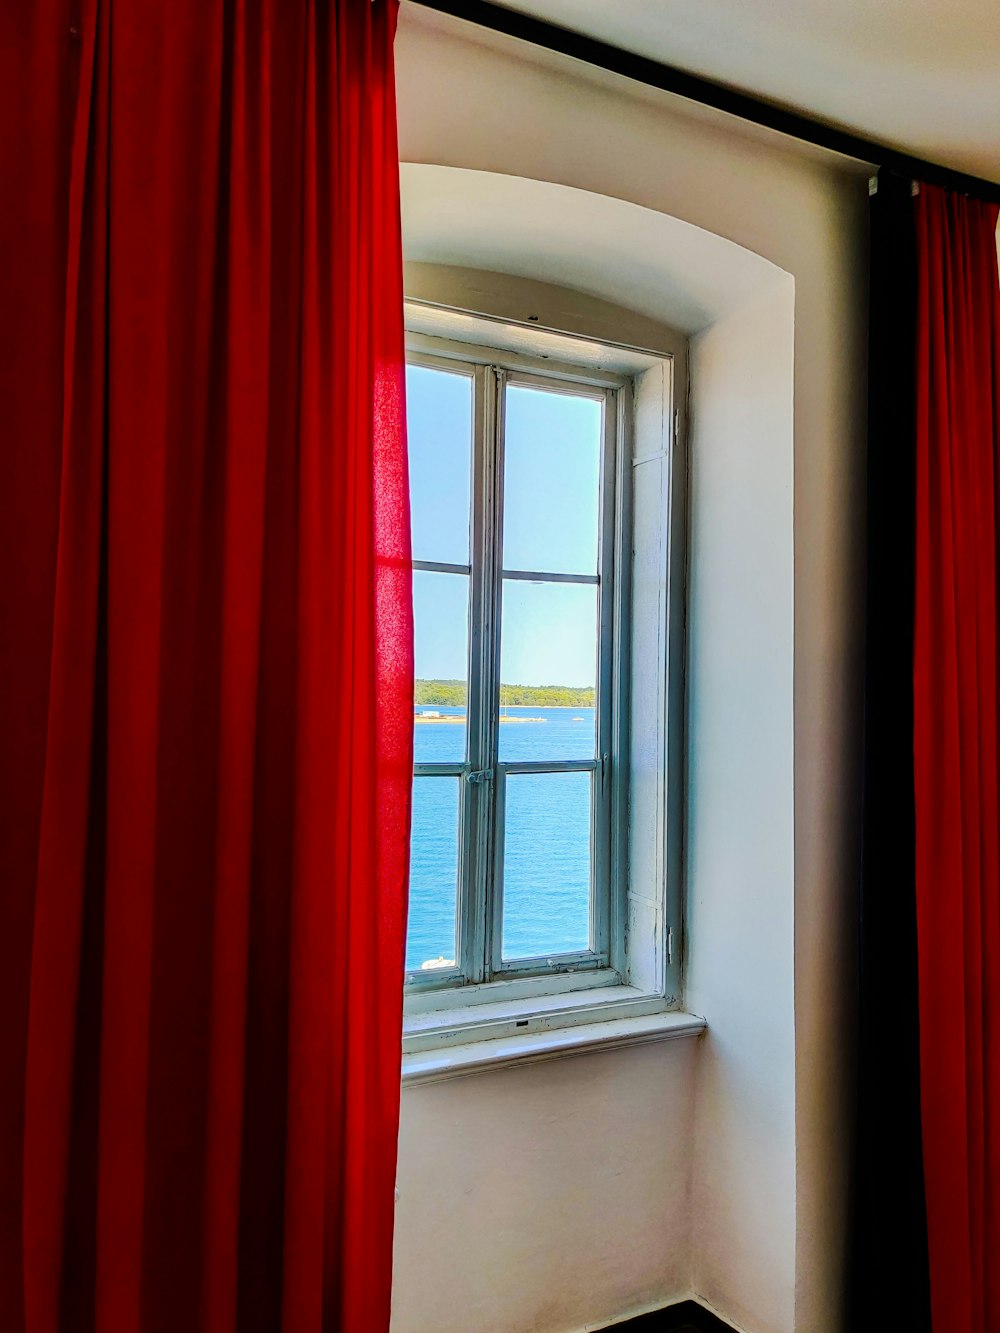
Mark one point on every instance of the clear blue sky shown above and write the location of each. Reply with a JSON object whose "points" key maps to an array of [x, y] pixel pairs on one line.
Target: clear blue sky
{"points": [[551, 492]]}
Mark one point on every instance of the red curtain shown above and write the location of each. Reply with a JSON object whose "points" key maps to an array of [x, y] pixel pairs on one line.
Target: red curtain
{"points": [[955, 753], [207, 665]]}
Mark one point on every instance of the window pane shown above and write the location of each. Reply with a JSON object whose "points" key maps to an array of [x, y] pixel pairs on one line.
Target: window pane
{"points": [[441, 634], [552, 481], [439, 433], [547, 864], [431, 934], [548, 670]]}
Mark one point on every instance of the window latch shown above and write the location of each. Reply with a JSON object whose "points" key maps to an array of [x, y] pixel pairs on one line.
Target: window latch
{"points": [[481, 775]]}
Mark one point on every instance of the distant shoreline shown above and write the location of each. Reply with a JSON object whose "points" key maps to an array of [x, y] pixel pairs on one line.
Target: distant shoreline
{"points": [[461, 717], [439, 693]]}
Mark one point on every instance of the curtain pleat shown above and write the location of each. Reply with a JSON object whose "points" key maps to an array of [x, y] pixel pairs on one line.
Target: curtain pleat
{"points": [[35, 147], [206, 837], [955, 752]]}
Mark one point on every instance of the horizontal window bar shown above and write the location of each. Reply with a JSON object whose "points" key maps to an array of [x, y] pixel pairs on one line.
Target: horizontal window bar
{"points": [[418, 355], [559, 962], [439, 770], [448, 354], [440, 567], [433, 977], [536, 576], [528, 379], [549, 766]]}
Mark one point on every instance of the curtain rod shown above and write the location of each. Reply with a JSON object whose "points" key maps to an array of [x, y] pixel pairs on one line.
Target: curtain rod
{"points": [[668, 78]]}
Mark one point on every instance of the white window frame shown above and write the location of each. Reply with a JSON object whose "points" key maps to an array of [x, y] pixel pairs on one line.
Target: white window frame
{"points": [[637, 995], [482, 774]]}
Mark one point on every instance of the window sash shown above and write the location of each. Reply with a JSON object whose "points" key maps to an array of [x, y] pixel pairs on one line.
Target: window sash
{"points": [[481, 833]]}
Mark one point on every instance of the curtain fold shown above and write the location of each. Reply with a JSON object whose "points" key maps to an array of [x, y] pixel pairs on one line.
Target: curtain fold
{"points": [[955, 752], [206, 801]]}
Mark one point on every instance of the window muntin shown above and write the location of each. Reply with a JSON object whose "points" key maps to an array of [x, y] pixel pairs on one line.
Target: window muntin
{"points": [[531, 861]]}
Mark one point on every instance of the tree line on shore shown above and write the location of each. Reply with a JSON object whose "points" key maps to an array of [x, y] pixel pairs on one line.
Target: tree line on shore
{"points": [[452, 694]]}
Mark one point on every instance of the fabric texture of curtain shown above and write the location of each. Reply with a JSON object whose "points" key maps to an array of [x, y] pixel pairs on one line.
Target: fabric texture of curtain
{"points": [[955, 691], [927, 1215], [207, 662]]}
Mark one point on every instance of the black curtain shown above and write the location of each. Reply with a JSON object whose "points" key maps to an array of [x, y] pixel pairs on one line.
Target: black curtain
{"points": [[890, 1275]]}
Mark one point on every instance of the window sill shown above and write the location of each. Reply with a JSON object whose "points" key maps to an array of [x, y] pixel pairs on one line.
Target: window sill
{"points": [[431, 1066], [503, 1009], [448, 1043]]}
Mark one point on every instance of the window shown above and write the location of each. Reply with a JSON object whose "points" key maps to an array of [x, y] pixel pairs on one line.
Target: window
{"points": [[518, 528]]}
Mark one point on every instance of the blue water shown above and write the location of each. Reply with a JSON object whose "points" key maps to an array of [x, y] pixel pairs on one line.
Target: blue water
{"points": [[546, 839]]}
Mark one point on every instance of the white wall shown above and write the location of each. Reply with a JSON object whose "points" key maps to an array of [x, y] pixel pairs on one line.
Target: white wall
{"points": [[572, 1191], [544, 1197], [740, 839]]}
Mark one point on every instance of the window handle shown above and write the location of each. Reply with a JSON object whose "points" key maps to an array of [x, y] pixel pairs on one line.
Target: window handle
{"points": [[481, 775]]}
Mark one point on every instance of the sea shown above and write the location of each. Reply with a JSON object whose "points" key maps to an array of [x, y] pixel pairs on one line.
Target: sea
{"points": [[546, 838]]}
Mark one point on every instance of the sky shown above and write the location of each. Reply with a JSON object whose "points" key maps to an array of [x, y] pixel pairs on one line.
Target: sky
{"points": [[551, 494]]}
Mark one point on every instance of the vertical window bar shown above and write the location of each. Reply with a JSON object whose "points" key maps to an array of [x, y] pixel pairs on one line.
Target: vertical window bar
{"points": [[674, 776], [493, 865], [622, 658], [601, 881], [483, 667], [494, 923], [476, 795]]}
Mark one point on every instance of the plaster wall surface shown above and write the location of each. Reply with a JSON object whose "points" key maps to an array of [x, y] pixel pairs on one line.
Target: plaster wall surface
{"points": [[571, 1192]]}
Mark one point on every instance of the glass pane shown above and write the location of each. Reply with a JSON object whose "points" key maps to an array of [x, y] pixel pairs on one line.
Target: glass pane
{"points": [[547, 864], [548, 670], [439, 434], [552, 481], [431, 934], [441, 635]]}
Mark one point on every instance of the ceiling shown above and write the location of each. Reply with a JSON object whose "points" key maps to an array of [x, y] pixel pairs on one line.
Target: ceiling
{"points": [[919, 75]]}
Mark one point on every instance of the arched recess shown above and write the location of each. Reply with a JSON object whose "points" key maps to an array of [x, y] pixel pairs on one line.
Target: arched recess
{"points": [[633, 257], [732, 1160]]}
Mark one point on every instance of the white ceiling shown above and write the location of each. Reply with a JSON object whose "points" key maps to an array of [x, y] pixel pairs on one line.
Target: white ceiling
{"points": [[921, 75]]}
